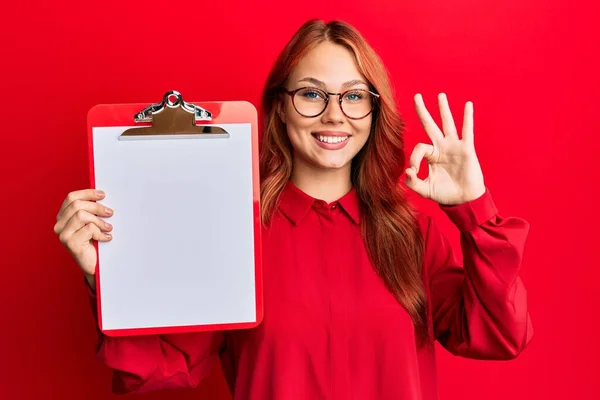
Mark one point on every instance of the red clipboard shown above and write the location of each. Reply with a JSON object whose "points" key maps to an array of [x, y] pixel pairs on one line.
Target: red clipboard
{"points": [[183, 179]]}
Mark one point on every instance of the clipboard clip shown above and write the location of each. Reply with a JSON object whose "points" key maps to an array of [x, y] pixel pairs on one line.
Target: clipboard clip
{"points": [[173, 118], [172, 99]]}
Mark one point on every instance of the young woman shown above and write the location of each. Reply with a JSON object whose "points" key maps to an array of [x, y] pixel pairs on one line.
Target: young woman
{"points": [[357, 285]]}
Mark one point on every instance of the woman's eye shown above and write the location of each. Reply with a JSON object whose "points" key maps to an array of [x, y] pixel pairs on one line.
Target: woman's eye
{"points": [[311, 94], [355, 96]]}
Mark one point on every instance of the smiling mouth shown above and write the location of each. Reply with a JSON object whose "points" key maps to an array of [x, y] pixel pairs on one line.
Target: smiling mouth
{"points": [[331, 139]]}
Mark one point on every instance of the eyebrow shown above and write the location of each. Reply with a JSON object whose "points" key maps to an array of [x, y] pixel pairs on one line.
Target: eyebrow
{"points": [[321, 84]]}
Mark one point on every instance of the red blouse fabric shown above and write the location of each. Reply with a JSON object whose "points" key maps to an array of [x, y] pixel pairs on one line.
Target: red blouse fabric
{"points": [[331, 329]]}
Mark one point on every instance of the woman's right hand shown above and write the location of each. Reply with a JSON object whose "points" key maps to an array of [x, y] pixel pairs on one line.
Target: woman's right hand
{"points": [[79, 223]]}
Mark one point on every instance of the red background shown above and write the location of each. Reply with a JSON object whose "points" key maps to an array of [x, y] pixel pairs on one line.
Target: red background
{"points": [[530, 67]]}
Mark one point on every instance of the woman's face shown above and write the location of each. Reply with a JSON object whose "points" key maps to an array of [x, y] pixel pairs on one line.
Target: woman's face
{"points": [[331, 139]]}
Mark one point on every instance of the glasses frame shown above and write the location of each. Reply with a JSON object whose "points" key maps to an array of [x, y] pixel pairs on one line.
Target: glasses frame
{"points": [[292, 94]]}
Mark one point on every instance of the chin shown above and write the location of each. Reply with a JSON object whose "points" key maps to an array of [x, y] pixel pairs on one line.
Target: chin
{"points": [[332, 163]]}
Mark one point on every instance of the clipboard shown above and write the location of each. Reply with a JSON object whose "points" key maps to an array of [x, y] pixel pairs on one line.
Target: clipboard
{"points": [[183, 181]]}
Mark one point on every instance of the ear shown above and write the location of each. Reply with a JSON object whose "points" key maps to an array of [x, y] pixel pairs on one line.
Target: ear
{"points": [[280, 110]]}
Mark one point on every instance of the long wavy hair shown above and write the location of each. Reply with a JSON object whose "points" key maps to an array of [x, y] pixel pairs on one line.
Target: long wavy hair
{"points": [[390, 232]]}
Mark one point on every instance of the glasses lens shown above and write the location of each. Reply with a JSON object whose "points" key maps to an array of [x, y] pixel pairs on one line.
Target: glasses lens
{"points": [[310, 101], [357, 103]]}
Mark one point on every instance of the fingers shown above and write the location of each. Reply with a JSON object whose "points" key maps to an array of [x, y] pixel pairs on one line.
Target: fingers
{"points": [[467, 130], [83, 236], [81, 205], [421, 151], [80, 195], [79, 220], [431, 128], [447, 120], [420, 186]]}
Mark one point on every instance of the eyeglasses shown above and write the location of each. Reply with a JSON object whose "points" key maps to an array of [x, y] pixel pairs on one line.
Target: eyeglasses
{"points": [[311, 102]]}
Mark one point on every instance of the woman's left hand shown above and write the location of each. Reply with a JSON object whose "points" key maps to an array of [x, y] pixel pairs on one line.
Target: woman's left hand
{"points": [[455, 175]]}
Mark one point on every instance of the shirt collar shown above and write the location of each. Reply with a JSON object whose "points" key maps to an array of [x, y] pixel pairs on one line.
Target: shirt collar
{"points": [[295, 203]]}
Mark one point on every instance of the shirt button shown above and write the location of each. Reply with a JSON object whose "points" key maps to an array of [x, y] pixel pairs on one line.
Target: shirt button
{"points": [[333, 207]]}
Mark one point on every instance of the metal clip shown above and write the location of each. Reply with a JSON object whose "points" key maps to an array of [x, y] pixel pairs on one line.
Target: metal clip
{"points": [[172, 99]]}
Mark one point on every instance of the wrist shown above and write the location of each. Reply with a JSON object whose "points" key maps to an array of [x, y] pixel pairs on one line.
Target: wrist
{"points": [[474, 194]]}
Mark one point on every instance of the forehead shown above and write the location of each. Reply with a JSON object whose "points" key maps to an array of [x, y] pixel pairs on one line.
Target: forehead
{"points": [[328, 62]]}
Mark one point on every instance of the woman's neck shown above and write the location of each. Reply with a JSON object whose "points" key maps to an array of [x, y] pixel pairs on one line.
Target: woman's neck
{"points": [[324, 184]]}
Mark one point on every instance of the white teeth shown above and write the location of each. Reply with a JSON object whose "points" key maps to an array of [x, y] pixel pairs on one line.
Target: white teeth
{"points": [[332, 139]]}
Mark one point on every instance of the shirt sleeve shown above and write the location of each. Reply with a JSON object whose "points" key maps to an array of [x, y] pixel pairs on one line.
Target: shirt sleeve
{"points": [[155, 362], [479, 309]]}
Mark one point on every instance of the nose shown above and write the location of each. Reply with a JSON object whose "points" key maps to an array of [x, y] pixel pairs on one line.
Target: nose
{"points": [[333, 112]]}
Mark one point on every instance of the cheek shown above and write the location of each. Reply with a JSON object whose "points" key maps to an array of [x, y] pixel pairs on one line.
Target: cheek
{"points": [[298, 127], [362, 129]]}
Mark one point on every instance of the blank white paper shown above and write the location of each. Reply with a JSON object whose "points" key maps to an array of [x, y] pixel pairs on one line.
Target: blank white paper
{"points": [[183, 239]]}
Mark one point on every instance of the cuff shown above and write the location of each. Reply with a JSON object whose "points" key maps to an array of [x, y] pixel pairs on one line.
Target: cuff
{"points": [[470, 215]]}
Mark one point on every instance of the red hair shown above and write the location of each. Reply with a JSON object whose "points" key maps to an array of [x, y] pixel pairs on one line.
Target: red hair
{"points": [[390, 232]]}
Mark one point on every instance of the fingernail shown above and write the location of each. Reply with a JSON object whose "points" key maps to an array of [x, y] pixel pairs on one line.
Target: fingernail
{"points": [[108, 211], [108, 235], [99, 193], [108, 226]]}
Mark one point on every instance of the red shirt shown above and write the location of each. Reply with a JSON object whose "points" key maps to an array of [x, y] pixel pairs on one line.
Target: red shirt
{"points": [[331, 329]]}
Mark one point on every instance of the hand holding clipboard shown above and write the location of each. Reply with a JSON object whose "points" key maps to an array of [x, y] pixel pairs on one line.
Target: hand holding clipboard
{"points": [[79, 223]]}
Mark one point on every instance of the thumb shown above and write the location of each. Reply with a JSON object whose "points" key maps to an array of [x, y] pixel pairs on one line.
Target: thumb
{"points": [[415, 183]]}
